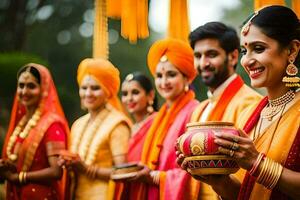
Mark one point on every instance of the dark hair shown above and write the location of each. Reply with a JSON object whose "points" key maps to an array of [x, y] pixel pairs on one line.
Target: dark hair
{"points": [[32, 71], [226, 35], [279, 23], [146, 84]]}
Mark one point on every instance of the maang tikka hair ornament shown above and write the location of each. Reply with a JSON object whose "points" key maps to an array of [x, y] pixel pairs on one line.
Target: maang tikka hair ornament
{"points": [[247, 25], [291, 79]]}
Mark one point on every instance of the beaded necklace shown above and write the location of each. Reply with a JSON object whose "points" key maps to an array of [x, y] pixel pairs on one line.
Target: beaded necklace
{"points": [[22, 134], [277, 105], [82, 144]]}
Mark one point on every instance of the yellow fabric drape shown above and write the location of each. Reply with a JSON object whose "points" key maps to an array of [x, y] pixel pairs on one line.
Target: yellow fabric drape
{"points": [[258, 4], [134, 19], [179, 26], [100, 41], [296, 7]]}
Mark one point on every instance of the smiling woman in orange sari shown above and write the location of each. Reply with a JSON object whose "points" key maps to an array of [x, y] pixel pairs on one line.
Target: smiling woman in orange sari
{"points": [[37, 133], [268, 148]]}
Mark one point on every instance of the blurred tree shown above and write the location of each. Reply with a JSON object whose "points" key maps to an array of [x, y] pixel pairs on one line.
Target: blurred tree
{"points": [[13, 16]]}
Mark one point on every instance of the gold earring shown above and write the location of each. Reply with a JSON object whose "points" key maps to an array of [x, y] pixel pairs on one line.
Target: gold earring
{"points": [[291, 80], [150, 108], [186, 88]]}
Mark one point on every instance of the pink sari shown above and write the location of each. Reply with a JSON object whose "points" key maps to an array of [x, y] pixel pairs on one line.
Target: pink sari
{"points": [[175, 181]]}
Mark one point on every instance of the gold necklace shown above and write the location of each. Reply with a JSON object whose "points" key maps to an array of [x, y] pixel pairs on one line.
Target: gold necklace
{"points": [[22, 134], [80, 145], [276, 105]]}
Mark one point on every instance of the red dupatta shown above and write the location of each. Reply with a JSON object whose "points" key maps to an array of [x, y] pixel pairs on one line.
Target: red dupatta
{"points": [[51, 111]]}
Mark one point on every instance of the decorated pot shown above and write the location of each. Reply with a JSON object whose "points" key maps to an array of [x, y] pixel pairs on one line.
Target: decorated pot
{"points": [[200, 151]]}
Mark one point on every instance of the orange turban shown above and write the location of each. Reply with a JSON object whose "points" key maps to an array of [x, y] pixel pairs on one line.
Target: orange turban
{"points": [[105, 73], [177, 52]]}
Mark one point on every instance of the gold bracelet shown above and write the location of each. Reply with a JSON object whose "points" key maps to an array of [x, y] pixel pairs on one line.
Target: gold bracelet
{"points": [[277, 176], [20, 176], [91, 172], [262, 170], [270, 173], [155, 176], [25, 177]]}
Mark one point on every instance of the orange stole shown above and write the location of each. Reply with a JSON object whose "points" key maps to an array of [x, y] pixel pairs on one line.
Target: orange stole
{"points": [[156, 134], [217, 113], [158, 130]]}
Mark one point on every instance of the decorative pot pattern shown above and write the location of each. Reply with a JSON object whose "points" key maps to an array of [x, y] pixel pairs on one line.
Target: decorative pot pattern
{"points": [[200, 151]]}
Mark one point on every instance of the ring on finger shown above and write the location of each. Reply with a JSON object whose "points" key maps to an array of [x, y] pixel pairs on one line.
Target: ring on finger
{"points": [[235, 139], [231, 153], [235, 146], [231, 145]]}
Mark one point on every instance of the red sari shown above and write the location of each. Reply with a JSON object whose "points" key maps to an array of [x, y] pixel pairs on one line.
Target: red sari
{"points": [[136, 144], [45, 139]]}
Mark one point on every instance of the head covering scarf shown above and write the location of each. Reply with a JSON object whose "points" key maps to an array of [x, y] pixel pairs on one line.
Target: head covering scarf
{"points": [[177, 52], [106, 74], [49, 105], [51, 111]]}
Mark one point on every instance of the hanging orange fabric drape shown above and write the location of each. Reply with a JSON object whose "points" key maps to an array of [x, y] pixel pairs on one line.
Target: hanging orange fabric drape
{"points": [[179, 26], [100, 41], [296, 7], [258, 4], [114, 8], [134, 19]]}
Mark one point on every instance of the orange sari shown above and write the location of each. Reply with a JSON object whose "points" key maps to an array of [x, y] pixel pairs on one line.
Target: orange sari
{"points": [[51, 130], [279, 142]]}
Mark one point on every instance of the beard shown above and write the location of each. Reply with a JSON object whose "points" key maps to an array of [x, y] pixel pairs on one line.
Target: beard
{"points": [[217, 77]]}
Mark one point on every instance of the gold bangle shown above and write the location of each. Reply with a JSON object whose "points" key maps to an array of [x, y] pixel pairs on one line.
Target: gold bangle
{"points": [[20, 176], [155, 176], [277, 176], [91, 171], [262, 171], [24, 177], [270, 173]]}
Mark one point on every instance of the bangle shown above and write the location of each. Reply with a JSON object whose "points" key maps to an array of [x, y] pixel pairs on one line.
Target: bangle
{"points": [[91, 171], [269, 174], [25, 177], [154, 174], [22, 177], [255, 165]]}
